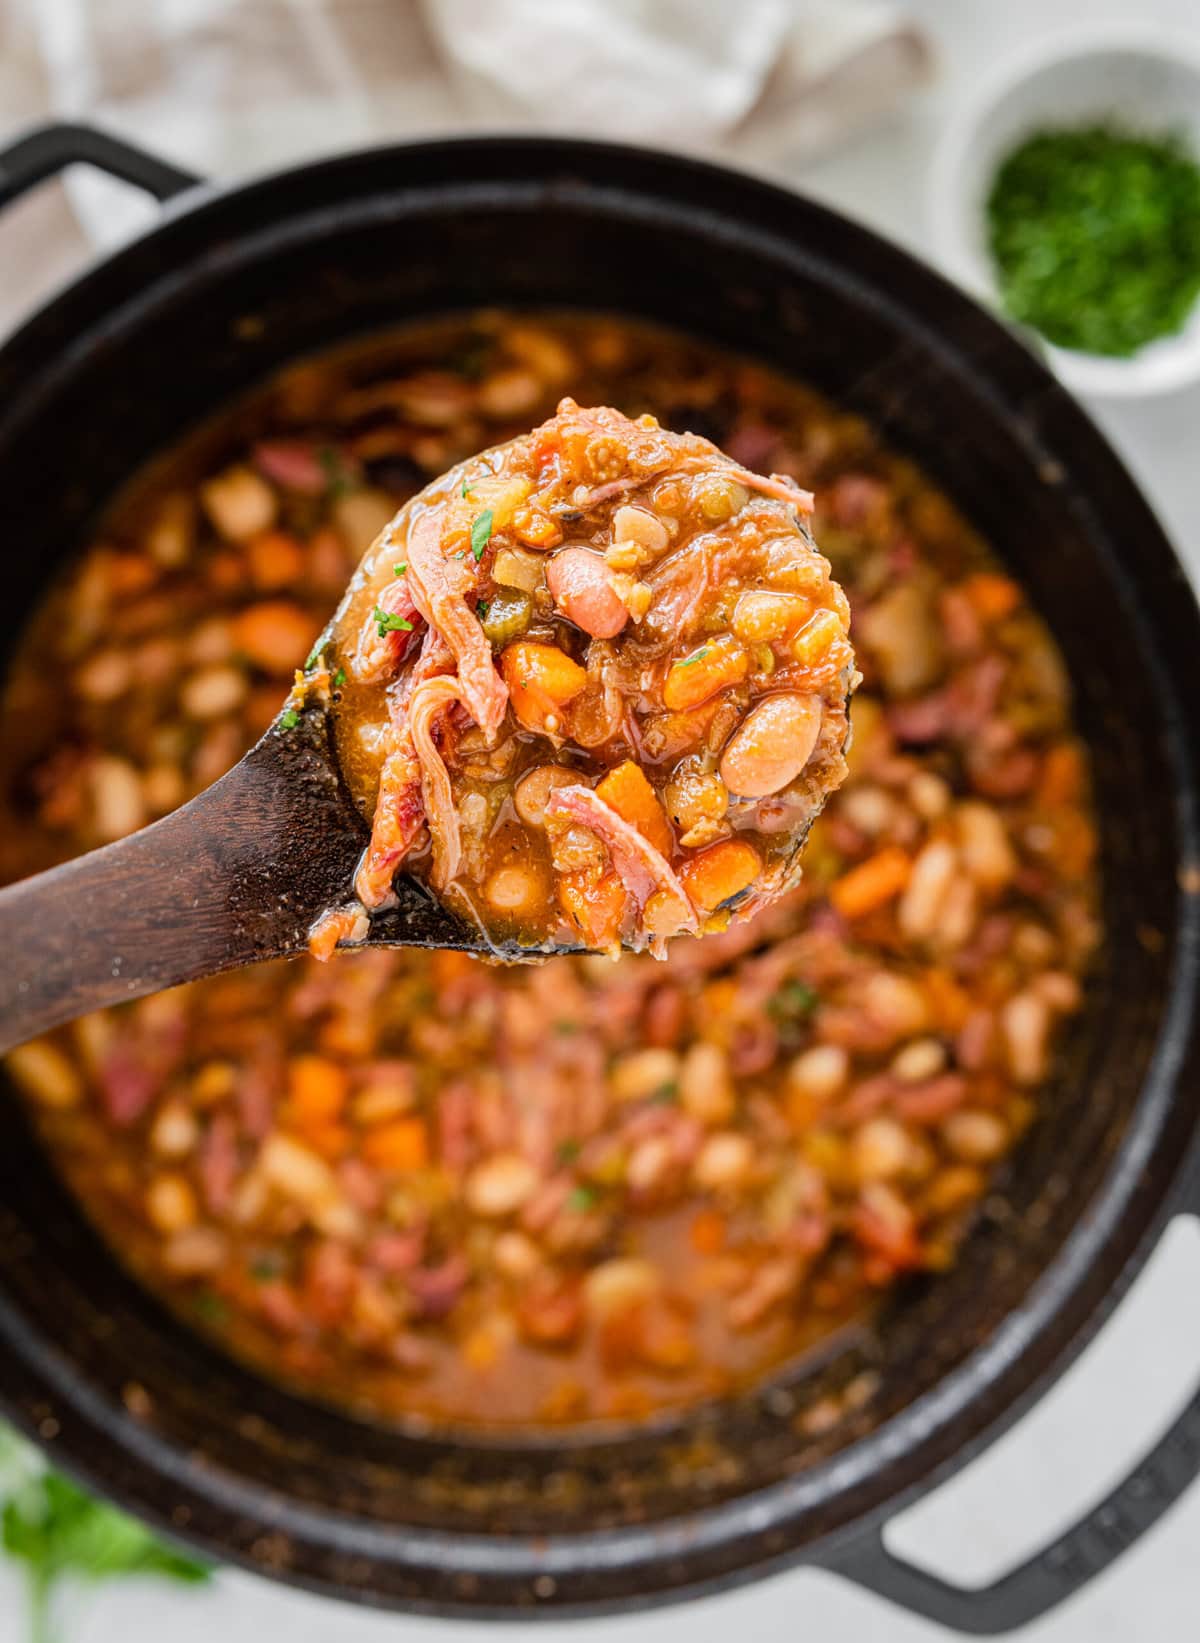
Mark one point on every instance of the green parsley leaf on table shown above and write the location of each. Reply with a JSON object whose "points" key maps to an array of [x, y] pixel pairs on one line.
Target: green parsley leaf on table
{"points": [[60, 1532]]}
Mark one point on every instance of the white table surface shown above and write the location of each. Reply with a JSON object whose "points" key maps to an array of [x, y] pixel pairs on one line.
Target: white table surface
{"points": [[1131, 1381]]}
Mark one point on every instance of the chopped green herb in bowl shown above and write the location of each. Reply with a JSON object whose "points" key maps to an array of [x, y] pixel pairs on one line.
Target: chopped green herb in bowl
{"points": [[1094, 232]]}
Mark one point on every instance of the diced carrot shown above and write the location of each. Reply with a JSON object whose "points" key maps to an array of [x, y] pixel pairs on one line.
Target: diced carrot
{"points": [[992, 596], [541, 680], [536, 528], [707, 1232], [872, 884], [449, 966], [803, 1109], [480, 1349], [720, 872], [949, 1003], [317, 1090], [274, 634], [710, 667], [630, 794], [330, 1140], [276, 561], [595, 904], [402, 1144], [1061, 778]]}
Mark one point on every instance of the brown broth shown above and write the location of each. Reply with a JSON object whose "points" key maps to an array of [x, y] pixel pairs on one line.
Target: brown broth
{"points": [[768, 1130]]}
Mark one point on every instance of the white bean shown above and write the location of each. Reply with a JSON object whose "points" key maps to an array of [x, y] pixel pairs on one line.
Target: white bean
{"points": [[705, 1087], [725, 1160], [501, 1184], [930, 879], [1025, 1023]]}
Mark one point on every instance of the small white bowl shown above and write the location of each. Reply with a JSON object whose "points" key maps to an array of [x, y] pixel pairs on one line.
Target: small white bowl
{"points": [[1141, 78]]}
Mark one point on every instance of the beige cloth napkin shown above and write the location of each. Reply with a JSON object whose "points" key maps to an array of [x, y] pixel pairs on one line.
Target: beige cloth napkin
{"points": [[227, 87]]}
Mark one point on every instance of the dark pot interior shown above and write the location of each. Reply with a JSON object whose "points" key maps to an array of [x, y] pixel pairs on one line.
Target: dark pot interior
{"points": [[217, 297]]}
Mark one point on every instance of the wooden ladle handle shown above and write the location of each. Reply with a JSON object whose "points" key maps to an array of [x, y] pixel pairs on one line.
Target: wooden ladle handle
{"points": [[237, 875]]}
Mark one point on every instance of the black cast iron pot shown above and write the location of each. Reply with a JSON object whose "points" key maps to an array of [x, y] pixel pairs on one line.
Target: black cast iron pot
{"points": [[229, 285]]}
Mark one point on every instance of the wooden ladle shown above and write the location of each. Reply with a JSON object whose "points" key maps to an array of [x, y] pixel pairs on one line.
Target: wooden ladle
{"points": [[236, 876]]}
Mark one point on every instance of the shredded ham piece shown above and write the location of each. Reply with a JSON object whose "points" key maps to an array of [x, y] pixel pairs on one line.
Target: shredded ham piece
{"points": [[429, 699], [642, 869], [378, 655], [400, 806], [444, 607], [778, 486]]}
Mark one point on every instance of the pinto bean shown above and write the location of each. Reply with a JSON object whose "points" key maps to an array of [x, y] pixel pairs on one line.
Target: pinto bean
{"points": [[879, 1150], [581, 585], [986, 852], [213, 692], [535, 788], [976, 1137], [1025, 1022], [932, 874], [501, 1184], [705, 1087], [921, 1059], [726, 1160], [820, 1072], [516, 889], [696, 800], [46, 1074], [772, 745], [619, 1283], [240, 503], [171, 1203]]}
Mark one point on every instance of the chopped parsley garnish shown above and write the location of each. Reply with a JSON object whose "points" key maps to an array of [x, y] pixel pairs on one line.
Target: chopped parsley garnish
{"points": [[567, 1152], [482, 608], [466, 486], [471, 359], [696, 656], [399, 570], [339, 678], [314, 655], [580, 1199], [481, 532], [266, 1267], [565, 1028], [338, 479], [57, 1531], [289, 719], [211, 1307], [386, 622], [1095, 235], [790, 1008], [666, 1094]]}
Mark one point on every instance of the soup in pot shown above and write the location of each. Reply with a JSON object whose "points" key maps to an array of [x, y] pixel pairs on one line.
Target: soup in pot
{"points": [[419, 1185]]}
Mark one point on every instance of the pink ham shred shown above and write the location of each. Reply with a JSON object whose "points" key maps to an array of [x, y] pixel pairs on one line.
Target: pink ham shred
{"points": [[778, 485], [642, 869], [295, 464], [378, 655], [400, 806], [432, 580], [127, 1087], [429, 700]]}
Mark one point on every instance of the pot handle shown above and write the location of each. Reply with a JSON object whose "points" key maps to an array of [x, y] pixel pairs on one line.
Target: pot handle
{"points": [[47, 149], [1079, 1554]]}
